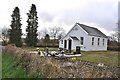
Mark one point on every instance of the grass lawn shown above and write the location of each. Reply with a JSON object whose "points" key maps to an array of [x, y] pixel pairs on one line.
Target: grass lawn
{"points": [[105, 57], [35, 48]]}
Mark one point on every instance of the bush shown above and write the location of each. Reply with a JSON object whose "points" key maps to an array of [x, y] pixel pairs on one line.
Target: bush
{"points": [[113, 48]]}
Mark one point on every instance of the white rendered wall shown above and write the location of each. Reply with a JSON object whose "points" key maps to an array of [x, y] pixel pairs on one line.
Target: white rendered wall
{"points": [[87, 42], [97, 47], [77, 33]]}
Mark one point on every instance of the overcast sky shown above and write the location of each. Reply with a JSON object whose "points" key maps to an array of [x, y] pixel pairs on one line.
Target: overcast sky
{"points": [[102, 14]]}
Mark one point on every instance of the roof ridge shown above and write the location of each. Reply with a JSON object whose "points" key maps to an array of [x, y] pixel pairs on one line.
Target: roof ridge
{"points": [[86, 25]]}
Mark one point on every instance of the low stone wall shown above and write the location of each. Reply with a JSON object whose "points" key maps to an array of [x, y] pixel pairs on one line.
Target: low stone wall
{"points": [[59, 68]]}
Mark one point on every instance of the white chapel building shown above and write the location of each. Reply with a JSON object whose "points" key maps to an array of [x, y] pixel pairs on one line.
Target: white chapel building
{"points": [[90, 38]]}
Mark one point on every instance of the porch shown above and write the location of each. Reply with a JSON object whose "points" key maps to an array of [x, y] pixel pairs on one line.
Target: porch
{"points": [[71, 43]]}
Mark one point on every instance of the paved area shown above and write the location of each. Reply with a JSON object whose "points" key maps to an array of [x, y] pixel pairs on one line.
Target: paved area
{"points": [[36, 51], [65, 55], [33, 52]]}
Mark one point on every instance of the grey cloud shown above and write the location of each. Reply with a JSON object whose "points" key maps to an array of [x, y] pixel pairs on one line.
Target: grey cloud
{"points": [[46, 17], [102, 14], [65, 20], [119, 11]]}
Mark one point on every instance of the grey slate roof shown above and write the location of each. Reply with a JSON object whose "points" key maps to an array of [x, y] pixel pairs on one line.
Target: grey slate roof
{"points": [[74, 38], [92, 31]]}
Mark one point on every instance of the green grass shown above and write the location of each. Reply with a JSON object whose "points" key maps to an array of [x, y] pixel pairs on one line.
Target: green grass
{"points": [[35, 48], [9, 68], [105, 57]]}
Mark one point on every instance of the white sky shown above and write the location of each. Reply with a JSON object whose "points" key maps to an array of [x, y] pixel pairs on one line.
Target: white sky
{"points": [[102, 14]]}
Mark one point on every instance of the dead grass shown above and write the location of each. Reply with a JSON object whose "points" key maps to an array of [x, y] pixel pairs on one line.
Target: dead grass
{"points": [[49, 67]]}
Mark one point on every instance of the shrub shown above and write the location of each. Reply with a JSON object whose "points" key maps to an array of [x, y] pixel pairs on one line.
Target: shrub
{"points": [[113, 48]]}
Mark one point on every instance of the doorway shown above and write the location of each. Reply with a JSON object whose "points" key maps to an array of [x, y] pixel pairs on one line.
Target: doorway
{"points": [[70, 44], [65, 45]]}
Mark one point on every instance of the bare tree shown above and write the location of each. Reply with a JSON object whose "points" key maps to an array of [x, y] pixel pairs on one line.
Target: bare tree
{"points": [[113, 36], [5, 34], [61, 34], [116, 35], [39, 34], [43, 32], [55, 31]]}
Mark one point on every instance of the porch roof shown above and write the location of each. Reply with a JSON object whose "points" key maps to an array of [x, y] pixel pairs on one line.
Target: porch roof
{"points": [[74, 38]]}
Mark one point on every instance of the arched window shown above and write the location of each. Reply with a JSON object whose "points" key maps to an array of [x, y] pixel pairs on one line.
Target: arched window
{"points": [[62, 42], [103, 41], [98, 41], [92, 40], [82, 39]]}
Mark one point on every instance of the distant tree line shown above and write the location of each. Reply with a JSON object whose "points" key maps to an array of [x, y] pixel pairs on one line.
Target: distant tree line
{"points": [[50, 36]]}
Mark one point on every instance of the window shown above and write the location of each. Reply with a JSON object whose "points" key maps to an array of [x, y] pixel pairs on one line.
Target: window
{"points": [[92, 40], [103, 42], [81, 38], [76, 28], [62, 42], [98, 41]]}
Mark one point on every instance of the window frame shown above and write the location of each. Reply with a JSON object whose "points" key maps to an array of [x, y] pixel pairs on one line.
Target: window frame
{"points": [[61, 41], [93, 40], [103, 42], [81, 40], [98, 41]]}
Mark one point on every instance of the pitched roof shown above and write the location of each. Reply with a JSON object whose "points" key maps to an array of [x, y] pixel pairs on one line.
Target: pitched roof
{"points": [[74, 38], [92, 31]]}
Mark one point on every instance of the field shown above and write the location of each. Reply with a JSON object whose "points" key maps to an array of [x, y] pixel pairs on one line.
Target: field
{"points": [[105, 57]]}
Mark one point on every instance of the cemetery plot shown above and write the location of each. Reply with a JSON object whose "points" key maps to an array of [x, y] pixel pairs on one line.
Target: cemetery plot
{"points": [[49, 67]]}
